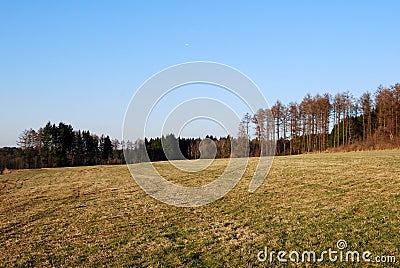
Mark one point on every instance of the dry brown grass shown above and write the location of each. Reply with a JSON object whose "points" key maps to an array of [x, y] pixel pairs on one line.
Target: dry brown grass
{"points": [[99, 216]]}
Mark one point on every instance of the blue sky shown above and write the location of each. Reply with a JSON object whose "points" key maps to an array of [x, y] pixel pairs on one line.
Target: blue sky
{"points": [[80, 62]]}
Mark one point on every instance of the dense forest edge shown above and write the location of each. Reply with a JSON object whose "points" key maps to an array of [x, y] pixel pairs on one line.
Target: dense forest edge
{"points": [[320, 123]]}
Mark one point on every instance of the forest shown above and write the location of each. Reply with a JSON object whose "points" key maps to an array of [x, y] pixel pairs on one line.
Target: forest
{"points": [[338, 123], [318, 123]]}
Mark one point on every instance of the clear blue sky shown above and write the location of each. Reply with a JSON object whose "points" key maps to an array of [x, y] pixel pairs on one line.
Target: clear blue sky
{"points": [[81, 61]]}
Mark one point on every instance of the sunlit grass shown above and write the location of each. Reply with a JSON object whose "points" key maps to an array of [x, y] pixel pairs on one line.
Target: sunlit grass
{"points": [[94, 216]]}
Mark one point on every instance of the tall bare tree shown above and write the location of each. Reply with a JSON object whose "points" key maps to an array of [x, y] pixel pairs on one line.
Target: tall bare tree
{"points": [[366, 109], [294, 123]]}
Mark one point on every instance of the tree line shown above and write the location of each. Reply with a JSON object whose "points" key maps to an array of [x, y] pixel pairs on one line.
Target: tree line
{"points": [[59, 146], [318, 123], [62, 146], [170, 147], [325, 122]]}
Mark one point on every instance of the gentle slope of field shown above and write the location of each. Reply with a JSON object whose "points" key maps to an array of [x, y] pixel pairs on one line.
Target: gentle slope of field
{"points": [[91, 216]]}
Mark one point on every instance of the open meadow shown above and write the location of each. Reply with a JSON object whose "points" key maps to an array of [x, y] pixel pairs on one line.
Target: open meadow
{"points": [[99, 216]]}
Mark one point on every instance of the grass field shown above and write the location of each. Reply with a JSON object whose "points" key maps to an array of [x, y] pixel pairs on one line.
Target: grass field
{"points": [[99, 216]]}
